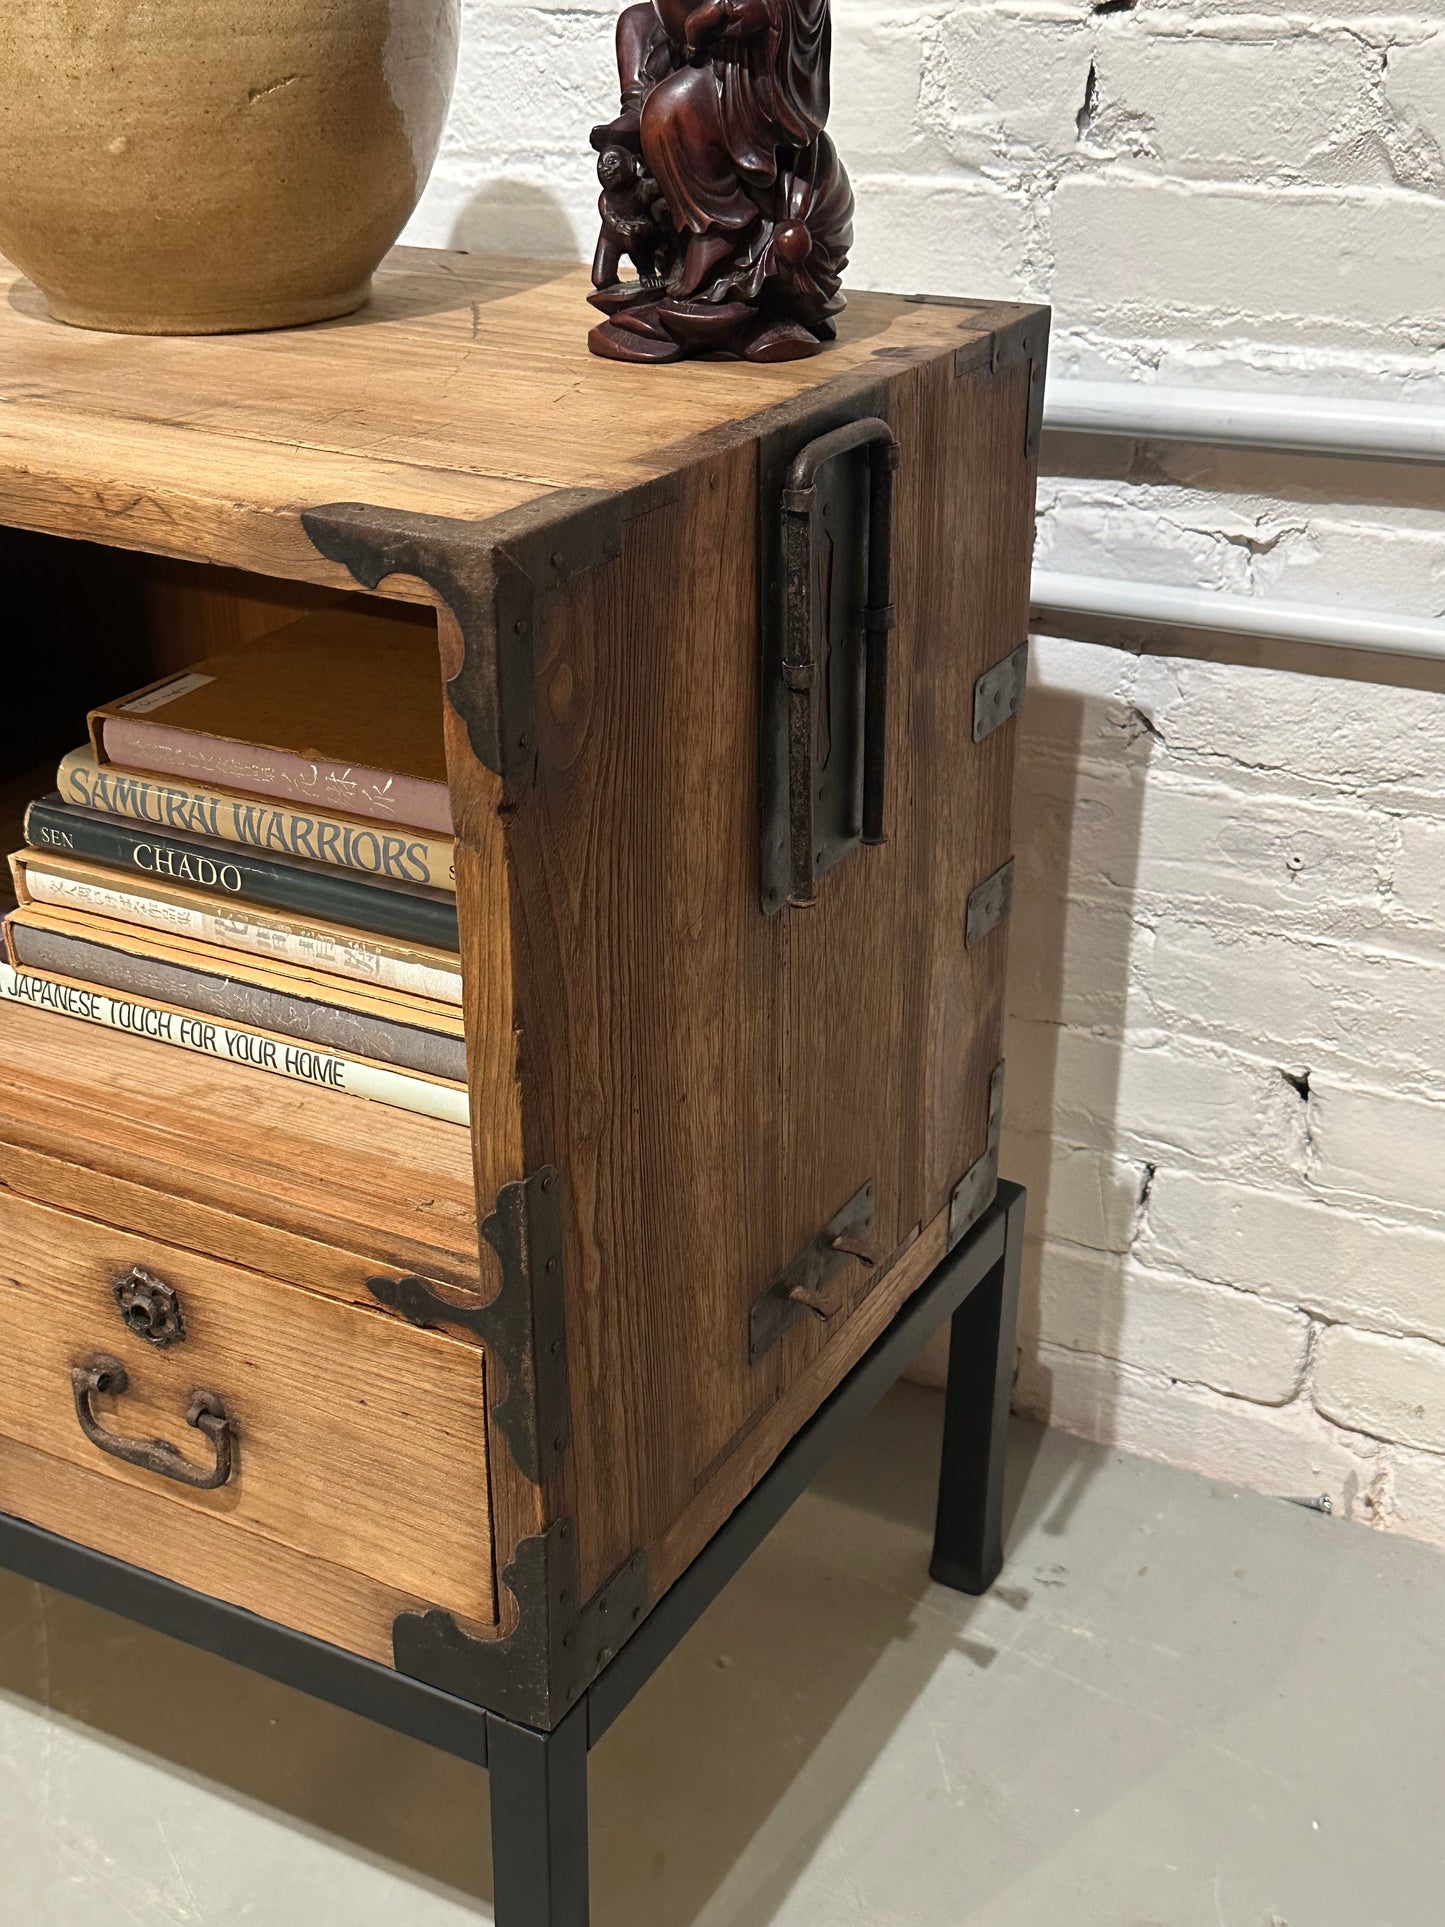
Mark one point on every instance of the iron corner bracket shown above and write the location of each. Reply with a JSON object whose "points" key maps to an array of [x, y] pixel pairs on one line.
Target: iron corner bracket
{"points": [[491, 576], [975, 1190], [1022, 337], [537, 1674], [524, 1328], [1027, 339]]}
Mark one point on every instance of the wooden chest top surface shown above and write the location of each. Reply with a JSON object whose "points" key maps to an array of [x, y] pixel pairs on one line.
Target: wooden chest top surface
{"points": [[465, 389]]}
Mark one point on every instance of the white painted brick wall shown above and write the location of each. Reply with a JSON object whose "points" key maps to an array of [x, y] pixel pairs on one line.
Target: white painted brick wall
{"points": [[1227, 1041]]}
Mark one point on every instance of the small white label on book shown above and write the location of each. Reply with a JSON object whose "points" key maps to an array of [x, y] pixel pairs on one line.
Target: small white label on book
{"points": [[167, 693]]}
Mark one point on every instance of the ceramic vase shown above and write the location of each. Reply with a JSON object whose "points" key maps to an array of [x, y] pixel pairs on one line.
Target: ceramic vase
{"points": [[208, 166]]}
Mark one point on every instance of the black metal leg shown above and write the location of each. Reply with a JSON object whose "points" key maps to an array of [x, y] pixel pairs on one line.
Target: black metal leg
{"points": [[539, 1822], [968, 1538]]}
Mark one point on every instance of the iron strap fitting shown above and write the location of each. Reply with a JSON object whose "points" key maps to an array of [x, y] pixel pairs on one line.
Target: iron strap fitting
{"points": [[975, 1190], [989, 904], [1026, 340], [998, 694], [524, 1328], [558, 1646], [491, 576], [808, 1283]]}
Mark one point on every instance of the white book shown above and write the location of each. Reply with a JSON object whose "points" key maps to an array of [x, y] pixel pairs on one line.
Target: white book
{"points": [[311, 944], [284, 1057]]}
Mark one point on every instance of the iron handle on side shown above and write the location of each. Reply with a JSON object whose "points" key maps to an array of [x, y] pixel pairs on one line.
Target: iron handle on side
{"points": [[800, 665], [101, 1374]]}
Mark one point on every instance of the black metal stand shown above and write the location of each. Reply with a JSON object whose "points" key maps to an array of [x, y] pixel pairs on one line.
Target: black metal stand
{"points": [[539, 1780]]}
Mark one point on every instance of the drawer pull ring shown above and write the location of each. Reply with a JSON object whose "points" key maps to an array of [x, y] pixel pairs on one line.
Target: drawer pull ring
{"points": [[205, 1412]]}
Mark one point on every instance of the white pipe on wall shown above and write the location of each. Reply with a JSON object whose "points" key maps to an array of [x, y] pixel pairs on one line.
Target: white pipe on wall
{"points": [[1157, 604], [1386, 431]]}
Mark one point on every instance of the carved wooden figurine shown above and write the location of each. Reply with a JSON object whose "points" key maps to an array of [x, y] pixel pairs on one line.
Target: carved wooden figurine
{"points": [[720, 184]]}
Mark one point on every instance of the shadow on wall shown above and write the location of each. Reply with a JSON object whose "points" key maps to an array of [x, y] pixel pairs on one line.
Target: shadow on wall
{"points": [[1082, 773], [1068, 1001], [516, 217]]}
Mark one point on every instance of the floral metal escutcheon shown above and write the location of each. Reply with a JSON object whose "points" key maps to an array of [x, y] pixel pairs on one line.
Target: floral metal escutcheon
{"points": [[150, 1309]]}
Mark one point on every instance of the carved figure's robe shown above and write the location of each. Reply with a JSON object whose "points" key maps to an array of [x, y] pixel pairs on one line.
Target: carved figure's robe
{"points": [[709, 130]]}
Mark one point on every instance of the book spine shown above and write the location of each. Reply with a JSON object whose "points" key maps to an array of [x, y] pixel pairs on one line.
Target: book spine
{"points": [[335, 895], [408, 802], [304, 1066], [172, 803], [311, 948], [326, 1026]]}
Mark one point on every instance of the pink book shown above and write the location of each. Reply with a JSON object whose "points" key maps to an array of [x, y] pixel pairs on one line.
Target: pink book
{"points": [[339, 712]]}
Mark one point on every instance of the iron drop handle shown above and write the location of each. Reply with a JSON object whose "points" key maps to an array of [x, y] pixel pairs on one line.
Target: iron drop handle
{"points": [[800, 667], [205, 1412]]}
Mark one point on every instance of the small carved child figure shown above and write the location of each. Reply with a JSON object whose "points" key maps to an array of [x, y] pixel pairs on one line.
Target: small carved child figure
{"points": [[633, 217]]}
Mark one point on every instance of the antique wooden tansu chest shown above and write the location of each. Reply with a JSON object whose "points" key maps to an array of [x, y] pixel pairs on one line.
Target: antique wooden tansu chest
{"points": [[728, 658]]}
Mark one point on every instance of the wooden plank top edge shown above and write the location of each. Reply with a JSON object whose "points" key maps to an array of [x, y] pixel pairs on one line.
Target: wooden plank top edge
{"points": [[464, 390]]}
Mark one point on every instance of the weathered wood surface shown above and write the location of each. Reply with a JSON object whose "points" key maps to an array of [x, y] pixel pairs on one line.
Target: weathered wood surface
{"points": [[312, 1185], [145, 1529], [712, 1085], [361, 1441], [464, 390], [715, 1085]]}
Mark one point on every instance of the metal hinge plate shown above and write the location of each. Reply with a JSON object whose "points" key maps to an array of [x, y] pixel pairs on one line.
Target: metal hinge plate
{"points": [[989, 904], [803, 1286], [524, 1328], [998, 694], [975, 1190]]}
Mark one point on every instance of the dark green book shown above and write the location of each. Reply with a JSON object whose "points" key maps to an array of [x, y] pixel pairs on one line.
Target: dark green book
{"points": [[413, 912]]}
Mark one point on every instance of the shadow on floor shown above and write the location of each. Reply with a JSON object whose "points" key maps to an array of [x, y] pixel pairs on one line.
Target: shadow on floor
{"points": [[681, 1784]]}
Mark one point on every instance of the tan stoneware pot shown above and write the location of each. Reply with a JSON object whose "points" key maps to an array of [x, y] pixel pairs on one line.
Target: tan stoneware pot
{"points": [[205, 166]]}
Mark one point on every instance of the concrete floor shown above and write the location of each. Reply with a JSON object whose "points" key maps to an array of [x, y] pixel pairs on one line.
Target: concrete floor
{"points": [[1183, 1706]]}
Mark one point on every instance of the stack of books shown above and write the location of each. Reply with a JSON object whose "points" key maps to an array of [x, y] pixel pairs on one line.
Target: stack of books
{"points": [[254, 859]]}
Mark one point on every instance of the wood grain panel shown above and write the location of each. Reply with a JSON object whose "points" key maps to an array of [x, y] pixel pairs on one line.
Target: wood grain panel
{"points": [[714, 1085], [193, 1549], [193, 612], [647, 986], [362, 1441], [724, 1492], [347, 1174], [197, 1227], [962, 579]]}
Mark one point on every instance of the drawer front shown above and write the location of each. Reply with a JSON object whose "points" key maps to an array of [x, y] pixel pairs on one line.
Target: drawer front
{"points": [[284, 1436]]}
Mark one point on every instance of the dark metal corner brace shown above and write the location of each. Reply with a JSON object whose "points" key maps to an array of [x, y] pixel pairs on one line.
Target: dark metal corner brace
{"points": [[559, 1646], [1025, 339], [524, 1328], [976, 1189], [491, 576], [560, 1642]]}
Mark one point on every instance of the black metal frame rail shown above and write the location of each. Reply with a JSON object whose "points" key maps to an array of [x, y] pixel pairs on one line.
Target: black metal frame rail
{"points": [[539, 1783]]}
